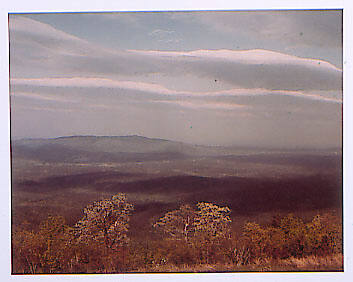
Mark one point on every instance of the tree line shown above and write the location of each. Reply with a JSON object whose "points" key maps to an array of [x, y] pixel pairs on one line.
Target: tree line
{"points": [[189, 236]]}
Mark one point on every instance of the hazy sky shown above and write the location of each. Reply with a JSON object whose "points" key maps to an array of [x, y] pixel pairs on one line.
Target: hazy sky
{"points": [[261, 78]]}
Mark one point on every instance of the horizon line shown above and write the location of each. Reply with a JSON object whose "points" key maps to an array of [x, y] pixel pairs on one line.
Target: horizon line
{"points": [[291, 148]]}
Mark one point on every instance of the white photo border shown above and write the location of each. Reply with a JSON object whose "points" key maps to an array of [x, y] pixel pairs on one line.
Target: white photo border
{"points": [[22, 6]]}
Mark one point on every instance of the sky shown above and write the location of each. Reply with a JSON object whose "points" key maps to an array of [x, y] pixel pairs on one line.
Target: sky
{"points": [[249, 78]]}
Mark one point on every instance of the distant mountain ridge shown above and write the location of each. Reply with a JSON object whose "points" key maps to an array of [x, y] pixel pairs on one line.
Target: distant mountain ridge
{"points": [[131, 143], [129, 148], [109, 149]]}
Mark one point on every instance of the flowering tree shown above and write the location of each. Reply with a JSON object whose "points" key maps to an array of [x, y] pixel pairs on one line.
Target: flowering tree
{"points": [[212, 221], [209, 222], [178, 224], [106, 222]]}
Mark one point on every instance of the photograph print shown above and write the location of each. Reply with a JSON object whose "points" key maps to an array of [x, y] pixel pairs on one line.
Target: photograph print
{"points": [[176, 142]]}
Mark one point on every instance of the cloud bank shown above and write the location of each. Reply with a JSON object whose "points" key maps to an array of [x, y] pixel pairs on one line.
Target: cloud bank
{"points": [[245, 97]]}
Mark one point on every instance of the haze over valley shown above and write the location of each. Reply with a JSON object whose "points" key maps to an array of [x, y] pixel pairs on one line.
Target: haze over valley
{"points": [[161, 173]]}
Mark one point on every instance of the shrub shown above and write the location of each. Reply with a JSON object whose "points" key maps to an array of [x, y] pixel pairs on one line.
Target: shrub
{"points": [[291, 237], [46, 251]]}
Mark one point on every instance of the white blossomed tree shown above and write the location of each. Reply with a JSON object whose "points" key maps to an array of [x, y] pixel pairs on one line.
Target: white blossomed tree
{"points": [[177, 224], [209, 222], [204, 229], [106, 222]]}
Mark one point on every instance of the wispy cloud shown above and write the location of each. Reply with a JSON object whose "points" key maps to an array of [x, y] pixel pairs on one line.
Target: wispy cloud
{"points": [[256, 57], [244, 69], [203, 105], [269, 95], [52, 98], [161, 32], [153, 88], [165, 36]]}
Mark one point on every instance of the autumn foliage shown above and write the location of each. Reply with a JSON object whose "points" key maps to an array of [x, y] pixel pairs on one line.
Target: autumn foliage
{"points": [[291, 237], [190, 238]]}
